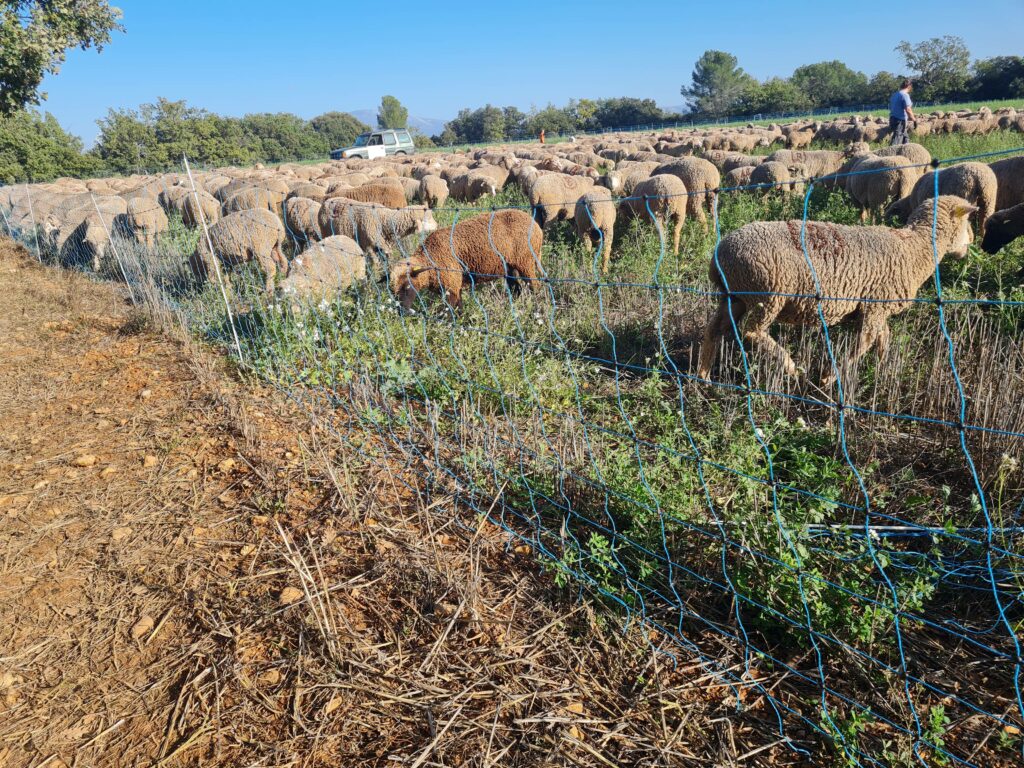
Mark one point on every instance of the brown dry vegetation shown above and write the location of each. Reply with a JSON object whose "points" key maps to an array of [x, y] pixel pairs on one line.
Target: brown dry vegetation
{"points": [[190, 574]]}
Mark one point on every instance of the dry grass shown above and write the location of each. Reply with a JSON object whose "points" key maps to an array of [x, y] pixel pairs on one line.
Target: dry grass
{"points": [[253, 594]]}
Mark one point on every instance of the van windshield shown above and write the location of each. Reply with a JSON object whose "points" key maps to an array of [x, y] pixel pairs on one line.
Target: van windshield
{"points": [[361, 140]]}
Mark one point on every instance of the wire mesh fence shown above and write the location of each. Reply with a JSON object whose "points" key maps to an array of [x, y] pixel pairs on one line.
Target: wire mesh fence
{"points": [[782, 442]]}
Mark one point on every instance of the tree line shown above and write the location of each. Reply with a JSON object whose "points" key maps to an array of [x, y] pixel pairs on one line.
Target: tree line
{"points": [[941, 68]]}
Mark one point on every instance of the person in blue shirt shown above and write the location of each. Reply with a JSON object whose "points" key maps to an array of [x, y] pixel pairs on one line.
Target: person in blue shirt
{"points": [[900, 111]]}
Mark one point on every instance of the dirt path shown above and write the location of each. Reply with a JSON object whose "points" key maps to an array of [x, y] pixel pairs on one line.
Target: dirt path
{"points": [[189, 576]]}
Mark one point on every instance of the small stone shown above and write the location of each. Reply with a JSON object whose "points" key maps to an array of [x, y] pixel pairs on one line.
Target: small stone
{"points": [[289, 595], [150, 461], [142, 627], [121, 533], [84, 460], [226, 466], [40, 485], [108, 472], [271, 677], [332, 705], [146, 394]]}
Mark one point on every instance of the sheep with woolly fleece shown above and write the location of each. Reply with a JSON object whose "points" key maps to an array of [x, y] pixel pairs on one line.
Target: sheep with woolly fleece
{"points": [[410, 186], [1002, 228], [779, 176], [595, 222], [491, 246], [737, 160], [974, 182], [702, 180], [301, 220], [199, 207], [818, 162], [309, 190], [88, 243], [874, 182], [553, 196], [145, 219], [738, 177], [874, 272], [254, 198], [377, 229], [251, 235], [378, 193], [663, 197], [323, 270], [473, 185], [1009, 173], [433, 191], [173, 198]]}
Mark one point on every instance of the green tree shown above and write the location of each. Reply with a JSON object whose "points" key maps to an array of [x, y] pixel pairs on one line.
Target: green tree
{"points": [[35, 36], [1000, 77], [551, 119], [282, 137], [774, 96], [392, 114], [941, 65], [717, 84], [339, 129], [881, 86], [420, 139], [35, 147], [626, 111], [515, 123], [830, 84]]}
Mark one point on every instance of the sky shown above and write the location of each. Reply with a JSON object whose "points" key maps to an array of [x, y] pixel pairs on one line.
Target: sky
{"points": [[313, 56]]}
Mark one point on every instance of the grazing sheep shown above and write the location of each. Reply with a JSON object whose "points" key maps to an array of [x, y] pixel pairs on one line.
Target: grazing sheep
{"points": [[1009, 174], [252, 235], [764, 262], [86, 243], [191, 207], [379, 193], [1002, 228], [553, 196], [145, 220], [301, 220], [738, 177], [504, 244], [818, 162], [433, 191], [255, 198], [473, 185], [310, 191], [875, 181], [410, 186], [172, 198], [377, 229], [595, 222], [324, 269], [734, 161], [702, 180], [780, 176], [666, 197], [974, 182]]}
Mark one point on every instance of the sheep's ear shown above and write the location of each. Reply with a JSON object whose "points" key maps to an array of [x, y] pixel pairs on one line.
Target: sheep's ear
{"points": [[964, 210]]}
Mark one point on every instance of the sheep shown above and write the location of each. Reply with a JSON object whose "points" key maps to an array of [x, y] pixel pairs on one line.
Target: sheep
{"points": [[876, 181], [595, 221], [145, 219], [471, 186], [379, 193], [762, 271], [553, 196], [87, 242], [410, 186], [1010, 181], [325, 268], [666, 197], [301, 220], [781, 176], [975, 182], [1002, 228], [172, 198], [310, 191], [738, 177], [504, 244], [433, 191], [251, 235], [818, 162], [197, 202], [734, 161], [702, 180], [253, 198], [375, 228]]}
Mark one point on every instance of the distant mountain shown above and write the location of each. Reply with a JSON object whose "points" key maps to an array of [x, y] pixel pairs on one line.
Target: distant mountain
{"points": [[677, 109], [431, 126]]}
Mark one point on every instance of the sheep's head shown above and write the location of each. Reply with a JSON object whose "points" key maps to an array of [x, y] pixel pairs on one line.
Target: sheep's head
{"points": [[952, 215], [425, 221], [856, 148], [411, 276], [1003, 227], [612, 181]]}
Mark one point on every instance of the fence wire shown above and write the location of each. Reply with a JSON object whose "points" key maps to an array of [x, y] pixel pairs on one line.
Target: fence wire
{"points": [[840, 545]]}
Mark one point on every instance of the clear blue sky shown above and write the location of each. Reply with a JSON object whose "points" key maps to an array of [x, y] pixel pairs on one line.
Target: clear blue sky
{"points": [[311, 56]]}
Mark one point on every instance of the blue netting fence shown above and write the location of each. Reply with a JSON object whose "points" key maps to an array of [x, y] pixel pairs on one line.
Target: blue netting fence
{"points": [[789, 448]]}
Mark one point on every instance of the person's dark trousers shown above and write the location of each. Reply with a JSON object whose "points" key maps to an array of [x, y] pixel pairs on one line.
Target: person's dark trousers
{"points": [[898, 129]]}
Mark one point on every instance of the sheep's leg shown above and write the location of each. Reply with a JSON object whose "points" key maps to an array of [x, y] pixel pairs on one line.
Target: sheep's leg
{"points": [[677, 229], [607, 244], [514, 280], [756, 332], [719, 324]]}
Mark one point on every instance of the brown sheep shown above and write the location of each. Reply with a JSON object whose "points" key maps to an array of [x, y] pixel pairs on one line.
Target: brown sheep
{"points": [[255, 198], [379, 193], [504, 244], [300, 219], [197, 202]]}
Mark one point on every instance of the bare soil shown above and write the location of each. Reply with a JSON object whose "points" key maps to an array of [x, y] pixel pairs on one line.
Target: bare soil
{"points": [[190, 574]]}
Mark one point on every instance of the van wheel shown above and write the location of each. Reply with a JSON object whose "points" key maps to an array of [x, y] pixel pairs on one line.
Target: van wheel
{"points": [[400, 152]]}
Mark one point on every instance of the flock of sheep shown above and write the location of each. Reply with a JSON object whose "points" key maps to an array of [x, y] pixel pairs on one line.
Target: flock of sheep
{"points": [[332, 216]]}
